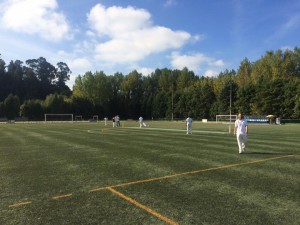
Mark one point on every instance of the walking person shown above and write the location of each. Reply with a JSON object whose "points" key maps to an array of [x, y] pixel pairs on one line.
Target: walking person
{"points": [[142, 123], [189, 125], [241, 131]]}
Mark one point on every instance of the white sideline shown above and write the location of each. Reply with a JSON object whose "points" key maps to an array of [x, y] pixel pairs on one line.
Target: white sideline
{"points": [[178, 130]]}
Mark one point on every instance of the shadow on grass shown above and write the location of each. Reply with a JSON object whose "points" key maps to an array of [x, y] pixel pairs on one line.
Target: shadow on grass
{"points": [[270, 153]]}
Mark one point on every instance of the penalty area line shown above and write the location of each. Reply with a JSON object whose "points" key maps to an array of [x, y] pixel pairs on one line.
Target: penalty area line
{"points": [[147, 209]]}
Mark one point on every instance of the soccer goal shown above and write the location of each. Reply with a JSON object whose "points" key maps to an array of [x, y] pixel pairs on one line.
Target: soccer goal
{"points": [[78, 118], [58, 117], [225, 118]]}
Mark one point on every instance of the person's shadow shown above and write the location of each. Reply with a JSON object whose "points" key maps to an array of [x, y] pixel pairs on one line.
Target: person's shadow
{"points": [[270, 153]]}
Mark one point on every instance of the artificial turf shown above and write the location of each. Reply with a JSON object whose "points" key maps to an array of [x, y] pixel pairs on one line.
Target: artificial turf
{"points": [[62, 171]]}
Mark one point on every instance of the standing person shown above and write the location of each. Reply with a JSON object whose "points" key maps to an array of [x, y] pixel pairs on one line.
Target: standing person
{"points": [[114, 121], [189, 125], [142, 123], [117, 118], [241, 131]]}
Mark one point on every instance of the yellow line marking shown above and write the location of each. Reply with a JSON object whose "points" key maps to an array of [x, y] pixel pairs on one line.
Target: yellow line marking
{"points": [[61, 196], [190, 172], [161, 178], [100, 189], [154, 213], [20, 204]]}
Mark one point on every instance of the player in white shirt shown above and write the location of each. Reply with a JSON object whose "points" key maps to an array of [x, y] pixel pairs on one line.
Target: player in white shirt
{"points": [[142, 123], [117, 120], [189, 125], [241, 131]]}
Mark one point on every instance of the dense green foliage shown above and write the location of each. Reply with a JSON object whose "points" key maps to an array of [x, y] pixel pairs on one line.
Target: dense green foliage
{"points": [[270, 85], [39, 161]]}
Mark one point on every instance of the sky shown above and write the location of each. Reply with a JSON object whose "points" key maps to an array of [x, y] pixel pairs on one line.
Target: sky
{"points": [[206, 36]]}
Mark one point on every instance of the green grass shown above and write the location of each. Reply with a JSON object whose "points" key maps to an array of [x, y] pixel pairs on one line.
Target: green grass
{"points": [[41, 161]]}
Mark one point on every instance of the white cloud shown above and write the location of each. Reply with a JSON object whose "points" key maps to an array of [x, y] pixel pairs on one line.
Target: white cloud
{"points": [[131, 35], [145, 71], [35, 17], [211, 73], [116, 21], [80, 64], [217, 63], [197, 62]]}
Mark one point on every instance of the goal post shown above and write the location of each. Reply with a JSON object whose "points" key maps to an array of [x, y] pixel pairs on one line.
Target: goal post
{"points": [[226, 118], [78, 118], [58, 117]]}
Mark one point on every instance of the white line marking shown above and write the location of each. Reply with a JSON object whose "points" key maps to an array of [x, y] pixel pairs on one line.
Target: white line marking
{"points": [[178, 130]]}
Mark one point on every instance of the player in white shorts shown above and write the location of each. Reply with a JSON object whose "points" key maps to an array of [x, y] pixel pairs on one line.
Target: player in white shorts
{"points": [[241, 131], [189, 125], [142, 123]]}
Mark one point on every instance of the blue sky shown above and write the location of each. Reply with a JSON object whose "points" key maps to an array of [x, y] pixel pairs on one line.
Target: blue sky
{"points": [[207, 36]]}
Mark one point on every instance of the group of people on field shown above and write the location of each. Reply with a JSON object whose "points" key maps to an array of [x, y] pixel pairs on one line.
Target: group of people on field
{"points": [[116, 121], [240, 131]]}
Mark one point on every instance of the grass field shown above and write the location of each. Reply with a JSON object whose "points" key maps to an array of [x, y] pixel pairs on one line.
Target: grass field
{"points": [[86, 173]]}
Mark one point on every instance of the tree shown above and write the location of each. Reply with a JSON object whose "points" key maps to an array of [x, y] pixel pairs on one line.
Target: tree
{"points": [[160, 106], [206, 100], [115, 104], [63, 73], [245, 99], [131, 89], [269, 97], [45, 73], [2, 67], [244, 73], [296, 110], [82, 107], [55, 103], [12, 106], [185, 79], [2, 109], [32, 109], [290, 87], [227, 93], [15, 78]]}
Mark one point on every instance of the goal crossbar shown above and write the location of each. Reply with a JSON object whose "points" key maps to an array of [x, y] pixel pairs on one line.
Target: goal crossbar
{"points": [[58, 115], [226, 118]]}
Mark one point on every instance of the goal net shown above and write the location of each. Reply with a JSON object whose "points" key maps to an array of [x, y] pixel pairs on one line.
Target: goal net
{"points": [[226, 118], [58, 117], [78, 118]]}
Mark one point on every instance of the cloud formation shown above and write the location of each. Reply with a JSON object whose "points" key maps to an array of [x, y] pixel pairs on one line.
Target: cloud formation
{"points": [[35, 17], [197, 62], [129, 35], [116, 38]]}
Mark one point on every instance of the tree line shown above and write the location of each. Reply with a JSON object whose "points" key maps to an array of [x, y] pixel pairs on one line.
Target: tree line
{"points": [[270, 85]]}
